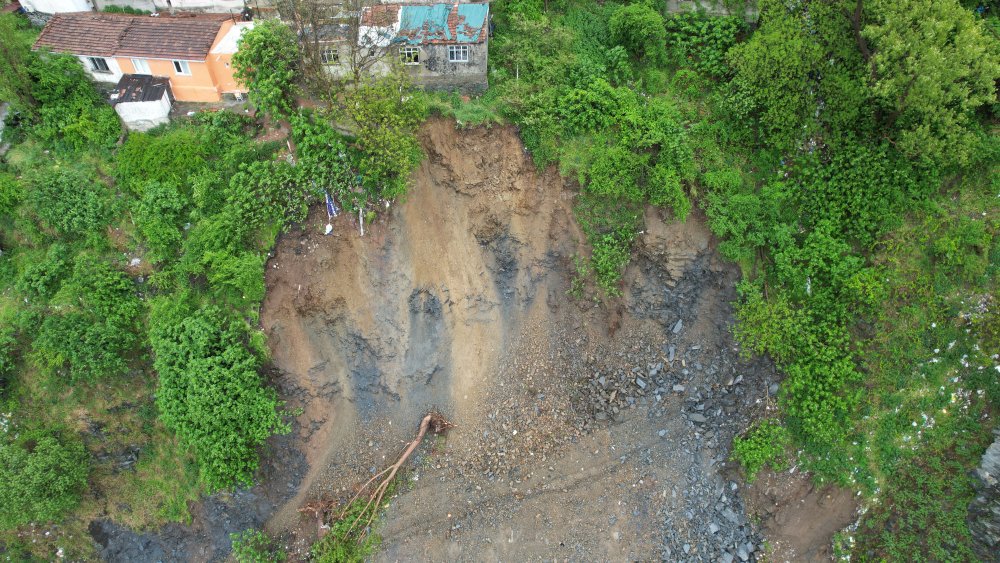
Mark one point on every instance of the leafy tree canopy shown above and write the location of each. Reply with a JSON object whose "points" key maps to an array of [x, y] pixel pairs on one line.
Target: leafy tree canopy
{"points": [[386, 118], [210, 393], [640, 29], [266, 62], [933, 65]]}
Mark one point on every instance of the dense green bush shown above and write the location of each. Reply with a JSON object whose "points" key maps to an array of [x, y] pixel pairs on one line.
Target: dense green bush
{"points": [[210, 392], [862, 189], [42, 278], [701, 42], [91, 325], [763, 445], [11, 193], [254, 546], [168, 158], [324, 156], [15, 60], [70, 200], [640, 29], [71, 114], [41, 477], [8, 358], [158, 215], [267, 192], [962, 251]]}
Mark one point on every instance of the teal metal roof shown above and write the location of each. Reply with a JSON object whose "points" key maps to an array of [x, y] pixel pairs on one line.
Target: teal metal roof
{"points": [[442, 23]]}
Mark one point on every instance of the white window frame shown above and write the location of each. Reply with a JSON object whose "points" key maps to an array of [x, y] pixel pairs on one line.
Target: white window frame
{"points": [[141, 66], [409, 55], [458, 53], [96, 64], [325, 52], [182, 68]]}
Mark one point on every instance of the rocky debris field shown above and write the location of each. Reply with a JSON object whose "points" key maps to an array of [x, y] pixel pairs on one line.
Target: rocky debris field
{"points": [[587, 427]]}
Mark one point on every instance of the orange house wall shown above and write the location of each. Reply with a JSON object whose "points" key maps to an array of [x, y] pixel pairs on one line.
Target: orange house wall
{"points": [[222, 68], [221, 64], [198, 87], [208, 79]]}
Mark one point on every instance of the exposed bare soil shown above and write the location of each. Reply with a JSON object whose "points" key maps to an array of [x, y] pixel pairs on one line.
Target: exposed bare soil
{"points": [[799, 518], [587, 429], [572, 439]]}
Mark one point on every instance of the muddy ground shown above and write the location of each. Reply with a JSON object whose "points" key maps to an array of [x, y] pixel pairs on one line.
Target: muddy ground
{"points": [[587, 429]]}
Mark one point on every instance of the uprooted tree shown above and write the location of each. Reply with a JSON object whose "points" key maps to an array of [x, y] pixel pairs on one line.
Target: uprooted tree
{"points": [[351, 525]]}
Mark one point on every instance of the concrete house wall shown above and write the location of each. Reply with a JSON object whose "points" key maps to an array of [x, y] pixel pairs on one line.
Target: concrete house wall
{"points": [[435, 72], [220, 58], [199, 86], [57, 6], [143, 116], [211, 6], [114, 73], [431, 28]]}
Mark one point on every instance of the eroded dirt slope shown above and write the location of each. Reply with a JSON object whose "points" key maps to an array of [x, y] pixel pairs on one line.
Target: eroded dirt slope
{"points": [[587, 429], [583, 431]]}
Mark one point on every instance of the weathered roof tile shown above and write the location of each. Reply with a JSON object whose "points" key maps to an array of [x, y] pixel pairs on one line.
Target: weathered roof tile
{"points": [[186, 37]]}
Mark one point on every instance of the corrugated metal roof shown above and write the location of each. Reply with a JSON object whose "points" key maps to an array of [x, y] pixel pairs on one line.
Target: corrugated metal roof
{"points": [[442, 23], [141, 88]]}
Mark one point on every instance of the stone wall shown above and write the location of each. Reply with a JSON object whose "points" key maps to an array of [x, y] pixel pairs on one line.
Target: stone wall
{"points": [[435, 72], [713, 7], [210, 6], [984, 511]]}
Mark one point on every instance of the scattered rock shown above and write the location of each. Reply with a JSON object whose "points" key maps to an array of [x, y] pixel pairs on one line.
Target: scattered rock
{"points": [[984, 510]]}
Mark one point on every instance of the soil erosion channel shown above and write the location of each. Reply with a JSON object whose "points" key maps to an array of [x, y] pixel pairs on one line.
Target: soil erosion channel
{"points": [[582, 432]]}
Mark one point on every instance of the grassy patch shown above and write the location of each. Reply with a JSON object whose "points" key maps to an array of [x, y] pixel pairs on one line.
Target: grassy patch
{"points": [[353, 537], [763, 445], [466, 111]]}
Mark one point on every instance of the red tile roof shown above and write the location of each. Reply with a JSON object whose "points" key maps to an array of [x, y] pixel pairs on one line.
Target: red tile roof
{"points": [[186, 37], [380, 15]]}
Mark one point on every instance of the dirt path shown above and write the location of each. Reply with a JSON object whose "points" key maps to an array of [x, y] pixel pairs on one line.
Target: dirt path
{"points": [[583, 432]]}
